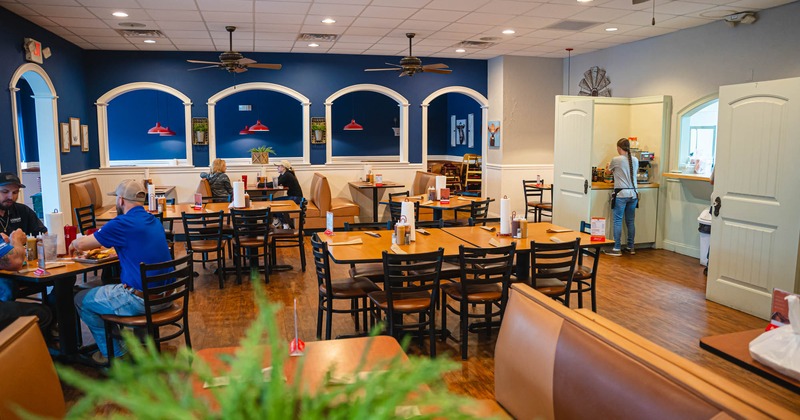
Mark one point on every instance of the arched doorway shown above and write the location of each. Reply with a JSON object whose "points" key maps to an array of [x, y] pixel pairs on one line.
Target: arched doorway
{"points": [[45, 106]]}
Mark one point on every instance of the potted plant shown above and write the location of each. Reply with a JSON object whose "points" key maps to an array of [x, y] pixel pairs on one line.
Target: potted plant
{"points": [[200, 132], [318, 128], [260, 155]]}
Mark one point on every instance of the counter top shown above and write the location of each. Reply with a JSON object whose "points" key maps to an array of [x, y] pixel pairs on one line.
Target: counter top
{"points": [[610, 185], [693, 177]]}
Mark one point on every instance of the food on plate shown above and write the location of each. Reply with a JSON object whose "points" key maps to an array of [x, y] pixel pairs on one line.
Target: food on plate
{"points": [[97, 254]]}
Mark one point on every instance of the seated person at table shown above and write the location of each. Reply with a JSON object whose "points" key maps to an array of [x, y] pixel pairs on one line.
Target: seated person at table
{"points": [[221, 188], [138, 237], [288, 180], [15, 216], [12, 255]]}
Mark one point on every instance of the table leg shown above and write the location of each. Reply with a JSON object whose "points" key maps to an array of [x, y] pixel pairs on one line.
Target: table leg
{"points": [[67, 322], [437, 214], [523, 265], [375, 205]]}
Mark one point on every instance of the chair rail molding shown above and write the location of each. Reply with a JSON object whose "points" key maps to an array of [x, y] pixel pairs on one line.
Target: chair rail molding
{"points": [[102, 116], [304, 102]]}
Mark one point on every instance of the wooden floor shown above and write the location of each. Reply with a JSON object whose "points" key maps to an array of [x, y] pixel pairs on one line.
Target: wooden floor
{"points": [[656, 293]]}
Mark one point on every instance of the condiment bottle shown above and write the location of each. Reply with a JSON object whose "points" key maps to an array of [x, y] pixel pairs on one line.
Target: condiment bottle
{"points": [[30, 247], [523, 228], [246, 200], [162, 206]]}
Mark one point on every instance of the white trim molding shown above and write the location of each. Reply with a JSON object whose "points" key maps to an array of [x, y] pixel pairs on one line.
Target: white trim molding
{"points": [[484, 104], [102, 115], [212, 121], [402, 102]]}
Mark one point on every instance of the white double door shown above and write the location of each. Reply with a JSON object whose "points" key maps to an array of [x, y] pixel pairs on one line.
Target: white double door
{"points": [[756, 232]]}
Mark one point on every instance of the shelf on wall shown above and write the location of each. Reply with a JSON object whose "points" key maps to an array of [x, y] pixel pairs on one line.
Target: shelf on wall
{"points": [[691, 177]]}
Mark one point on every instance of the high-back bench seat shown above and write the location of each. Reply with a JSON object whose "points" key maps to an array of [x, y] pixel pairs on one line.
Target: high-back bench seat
{"points": [[553, 362], [83, 193], [320, 202]]}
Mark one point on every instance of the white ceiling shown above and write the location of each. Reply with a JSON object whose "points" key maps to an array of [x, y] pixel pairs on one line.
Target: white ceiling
{"points": [[374, 27]]}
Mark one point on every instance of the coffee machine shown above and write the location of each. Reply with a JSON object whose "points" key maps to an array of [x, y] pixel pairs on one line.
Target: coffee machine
{"points": [[645, 159]]}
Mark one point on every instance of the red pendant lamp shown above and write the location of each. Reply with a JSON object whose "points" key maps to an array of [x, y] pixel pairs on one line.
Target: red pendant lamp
{"points": [[166, 132], [157, 129], [258, 127], [353, 126], [245, 132]]}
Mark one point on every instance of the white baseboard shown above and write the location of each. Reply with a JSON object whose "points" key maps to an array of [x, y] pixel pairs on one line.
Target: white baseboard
{"points": [[683, 249]]}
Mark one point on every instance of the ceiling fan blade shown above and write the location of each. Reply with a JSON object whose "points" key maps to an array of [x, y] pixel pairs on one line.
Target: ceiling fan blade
{"points": [[246, 61], [203, 62], [395, 69], [434, 66], [240, 69], [201, 68], [438, 71], [264, 66], [405, 73]]}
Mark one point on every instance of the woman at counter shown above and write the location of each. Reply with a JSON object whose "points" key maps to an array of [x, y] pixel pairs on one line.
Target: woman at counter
{"points": [[625, 197], [221, 189]]}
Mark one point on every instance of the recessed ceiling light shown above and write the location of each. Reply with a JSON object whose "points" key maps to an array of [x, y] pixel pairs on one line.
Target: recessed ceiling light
{"points": [[120, 14], [509, 32], [461, 50], [149, 41], [313, 45], [611, 29], [328, 20], [584, 1]]}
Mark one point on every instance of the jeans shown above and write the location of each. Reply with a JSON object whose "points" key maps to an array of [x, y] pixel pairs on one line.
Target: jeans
{"points": [[624, 206], [10, 311], [7, 288], [285, 217], [105, 300]]}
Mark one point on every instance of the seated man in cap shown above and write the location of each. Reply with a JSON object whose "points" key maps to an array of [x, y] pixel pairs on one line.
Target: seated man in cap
{"points": [[12, 255], [288, 180], [15, 216], [138, 237]]}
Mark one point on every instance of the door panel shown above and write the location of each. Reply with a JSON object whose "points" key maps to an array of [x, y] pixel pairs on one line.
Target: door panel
{"points": [[572, 162], [754, 239]]}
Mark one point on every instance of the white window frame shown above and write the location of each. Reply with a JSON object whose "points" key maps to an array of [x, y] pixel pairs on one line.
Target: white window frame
{"points": [[684, 130]]}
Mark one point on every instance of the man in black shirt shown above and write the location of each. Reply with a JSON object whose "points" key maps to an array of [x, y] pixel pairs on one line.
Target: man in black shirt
{"points": [[14, 216], [288, 180], [12, 255]]}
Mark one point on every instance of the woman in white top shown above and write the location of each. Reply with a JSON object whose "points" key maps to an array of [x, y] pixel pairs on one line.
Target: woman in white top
{"points": [[626, 196]]}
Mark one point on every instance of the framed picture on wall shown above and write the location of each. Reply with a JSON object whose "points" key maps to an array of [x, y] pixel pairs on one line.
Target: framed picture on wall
{"points": [[85, 138], [65, 140], [318, 130], [75, 131]]}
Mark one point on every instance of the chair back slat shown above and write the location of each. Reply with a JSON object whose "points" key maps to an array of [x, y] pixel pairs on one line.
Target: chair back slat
{"points": [[85, 218], [486, 266], [411, 273], [549, 257], [322, 263], [166, 282], [349, 227], [250, 223]]}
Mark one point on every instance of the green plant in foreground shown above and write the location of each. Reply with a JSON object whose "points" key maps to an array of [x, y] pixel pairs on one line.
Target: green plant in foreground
{"points": [[158, 386], [262, 149]]}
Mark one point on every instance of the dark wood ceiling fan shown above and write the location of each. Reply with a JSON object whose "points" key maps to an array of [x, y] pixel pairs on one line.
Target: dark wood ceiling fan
{"points": [[411, 65], [233, 61]]}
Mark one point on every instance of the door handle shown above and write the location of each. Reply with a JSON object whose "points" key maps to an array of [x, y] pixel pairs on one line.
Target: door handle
{"points": [[717, 205], [586, 186]]}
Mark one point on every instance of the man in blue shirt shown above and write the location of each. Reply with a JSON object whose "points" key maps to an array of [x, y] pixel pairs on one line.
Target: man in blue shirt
{"points": [[138, 237]]}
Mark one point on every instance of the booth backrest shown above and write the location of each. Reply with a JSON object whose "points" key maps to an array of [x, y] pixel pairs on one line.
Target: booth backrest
{"points": [[204, 188], [83, 193], [321, 192], [553, 362], [28, 378], [422, 181]]}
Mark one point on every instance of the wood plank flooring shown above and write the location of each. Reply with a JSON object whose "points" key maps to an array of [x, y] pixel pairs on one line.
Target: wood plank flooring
{"points": [[659, 294]]}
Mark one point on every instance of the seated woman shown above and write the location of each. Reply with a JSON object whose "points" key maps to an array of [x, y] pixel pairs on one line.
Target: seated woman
{"points": [[288, 180], [221, 189]]}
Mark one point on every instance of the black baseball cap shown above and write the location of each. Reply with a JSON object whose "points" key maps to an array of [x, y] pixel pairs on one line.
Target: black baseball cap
{"points": [[9, 178]]}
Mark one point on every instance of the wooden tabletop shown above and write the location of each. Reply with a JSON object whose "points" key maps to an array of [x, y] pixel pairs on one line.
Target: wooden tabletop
{"points": [[544, 187], [479, 237], [456, 202], [27, 273], [371, 250], [385, 184], [174, 210]]}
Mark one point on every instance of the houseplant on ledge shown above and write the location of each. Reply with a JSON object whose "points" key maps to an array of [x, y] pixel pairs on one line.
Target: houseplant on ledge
{"points": [[200, 132], [260, 155], [318, 128]]}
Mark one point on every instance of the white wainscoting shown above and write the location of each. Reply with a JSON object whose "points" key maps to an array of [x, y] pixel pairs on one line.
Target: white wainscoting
{"points": [[506, 181]]}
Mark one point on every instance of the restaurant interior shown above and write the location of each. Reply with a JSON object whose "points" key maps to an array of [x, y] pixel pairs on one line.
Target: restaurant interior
{"points": [[641, 327]]}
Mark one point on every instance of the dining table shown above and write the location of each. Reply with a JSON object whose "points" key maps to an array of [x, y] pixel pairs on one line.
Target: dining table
{"points": [[174, 211], [438, 207], [363, 185], [343, 251], [63, 279]]}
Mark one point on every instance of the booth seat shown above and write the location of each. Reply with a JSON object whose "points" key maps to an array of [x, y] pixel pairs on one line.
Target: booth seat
{"points": [[83, 193], [554, 362], [320, 202]]}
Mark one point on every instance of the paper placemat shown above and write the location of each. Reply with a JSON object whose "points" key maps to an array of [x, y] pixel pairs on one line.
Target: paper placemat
{"points": [[562, 230], [494, 242], [279, 204], [489, 228], [397, 250], [226, 380], [425, 203], [355, 241]]}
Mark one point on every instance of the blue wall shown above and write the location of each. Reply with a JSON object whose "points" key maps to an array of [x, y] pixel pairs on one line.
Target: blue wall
{"points": [[438, 126], [281, 113], [132, 114], [26, 113], [377, 113], [439, 113]]}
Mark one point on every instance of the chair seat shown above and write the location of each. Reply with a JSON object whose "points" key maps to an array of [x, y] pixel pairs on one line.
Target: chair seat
{"points": [[372, 271], [544, 206], [479, 293], [165, 316], [450, 270], [251, 242], [350, 288], [344, 207], [410, 302], [285, 233], [204, 245], [551, 286], [582, 272]]}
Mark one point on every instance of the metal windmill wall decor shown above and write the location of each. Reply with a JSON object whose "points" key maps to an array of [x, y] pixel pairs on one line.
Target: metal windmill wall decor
{"points": [[595, 82]]}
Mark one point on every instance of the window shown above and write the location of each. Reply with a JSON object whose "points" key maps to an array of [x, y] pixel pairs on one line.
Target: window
{"points": [[698, 136]]}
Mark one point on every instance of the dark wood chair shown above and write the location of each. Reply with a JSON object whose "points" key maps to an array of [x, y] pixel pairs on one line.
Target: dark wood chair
{"points": [[485, 276], [165, 291], [533, 200], [203, 234], [251, 240], [411, 287], [289, 238], [396, 208], [352, 289], [478, 212], [548, 262], [584, 277], [371, 271], [85, 219]]}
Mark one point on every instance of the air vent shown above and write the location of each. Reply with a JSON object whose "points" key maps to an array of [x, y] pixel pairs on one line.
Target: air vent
{"points": [[140, 33], [571, 25], [318, 37], [475, 44]]}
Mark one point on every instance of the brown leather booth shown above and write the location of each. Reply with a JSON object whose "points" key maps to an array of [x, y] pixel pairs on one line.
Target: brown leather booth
{"points": [[553, 362], [28, 378], [83, 193], [320, 203]]}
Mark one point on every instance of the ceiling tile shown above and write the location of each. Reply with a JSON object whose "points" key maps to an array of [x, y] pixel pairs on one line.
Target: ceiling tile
{"points": [[316, 20], [20, 9], [228, 17], [547, 34], [423, 25], [192, 41], [168, 4], [274, 18], [758, 4], [53, 2], [282, 7], [562, 11], [407, 3], [650, 31], [439, 15], [276, 36], [322, 29], [683, 22], [465, 5], [41, 21], [110, 3], [359, 38], [486, 18], [600, 14], [335, 10], [61, 11], [367, 31], [467, 28], [176, 15], [225, 5], [95, 32], [105, 13], [119, 39], [681, 7], [274, 27], [377, 22], [454, 36], [534, 22], [180, 25], [199, 34], [388, 12], [626, 5], [273, 44], [586, 36], [115, 47], [621, 29], [508, 7], [361, 2], [79, 23], [641, 18]]}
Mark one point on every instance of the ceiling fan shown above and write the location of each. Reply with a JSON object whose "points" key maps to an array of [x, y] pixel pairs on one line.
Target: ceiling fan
{"points": [[411, 65], [233, 61]]}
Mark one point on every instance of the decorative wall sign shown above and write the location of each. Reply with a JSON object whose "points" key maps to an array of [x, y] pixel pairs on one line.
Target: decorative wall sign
{"points": [[319, 132], [75, 131], [453, 136], [461, 132], [595, 83], [494, 133], [470, 130], [65, 139], [85, 138]]}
